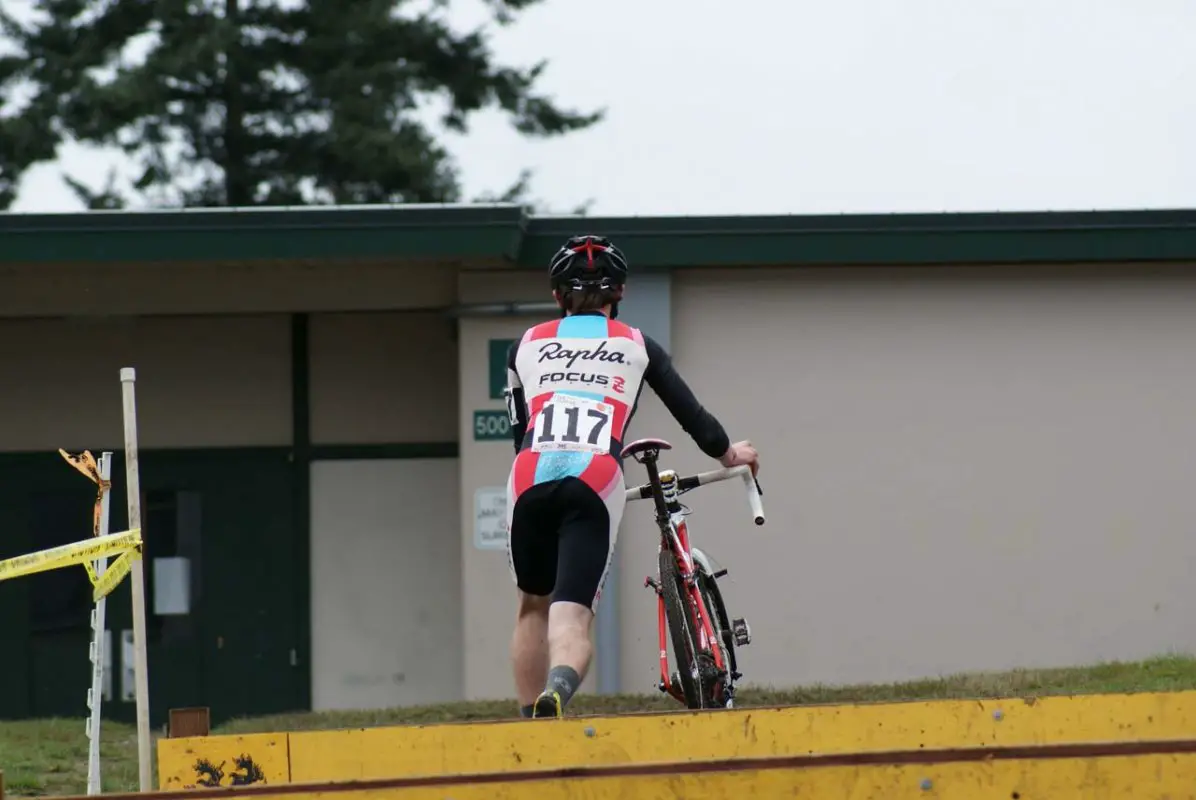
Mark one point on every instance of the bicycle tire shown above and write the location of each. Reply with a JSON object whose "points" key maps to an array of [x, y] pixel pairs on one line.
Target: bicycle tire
{"points": [[681, 630], [712, 598]]}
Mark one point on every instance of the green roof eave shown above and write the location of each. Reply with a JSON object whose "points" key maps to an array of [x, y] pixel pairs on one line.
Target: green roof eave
{"points": [[414, 232], [504, 233], [881, 239]]}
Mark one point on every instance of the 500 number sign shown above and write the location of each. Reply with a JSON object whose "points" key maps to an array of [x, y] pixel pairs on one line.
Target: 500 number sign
{"points": [[491, 426]]}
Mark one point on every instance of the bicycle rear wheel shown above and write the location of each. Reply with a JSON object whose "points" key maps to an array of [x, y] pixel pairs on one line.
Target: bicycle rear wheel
{"points": [[682, 629]]}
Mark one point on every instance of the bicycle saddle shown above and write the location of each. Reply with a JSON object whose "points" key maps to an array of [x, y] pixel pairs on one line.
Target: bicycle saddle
{"points": [[648, 448]]}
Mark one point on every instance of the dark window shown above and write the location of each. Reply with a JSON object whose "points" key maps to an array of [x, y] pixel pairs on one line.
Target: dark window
{"points": [[172, 521], [61, 599]]}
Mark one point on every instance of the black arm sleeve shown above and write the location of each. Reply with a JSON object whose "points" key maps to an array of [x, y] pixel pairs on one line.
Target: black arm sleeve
{"points": [[707, 432], [516, 404]]}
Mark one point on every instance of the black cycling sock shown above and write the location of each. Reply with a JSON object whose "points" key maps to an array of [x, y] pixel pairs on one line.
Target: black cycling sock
{"points": [[563, 680], [526, 711]]}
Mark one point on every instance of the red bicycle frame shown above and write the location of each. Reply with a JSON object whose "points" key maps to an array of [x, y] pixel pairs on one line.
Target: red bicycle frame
{"points": [[665, 488], [692, 602]]}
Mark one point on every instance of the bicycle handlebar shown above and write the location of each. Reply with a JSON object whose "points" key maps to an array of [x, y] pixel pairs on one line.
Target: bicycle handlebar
{"points": [[713, 476]]}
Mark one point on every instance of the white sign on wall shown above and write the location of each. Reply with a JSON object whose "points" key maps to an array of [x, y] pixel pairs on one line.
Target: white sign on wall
{"points": [[490, 518], [128, 675]]}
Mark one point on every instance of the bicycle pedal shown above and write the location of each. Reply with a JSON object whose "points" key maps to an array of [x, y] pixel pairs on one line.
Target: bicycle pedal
{"points": [[653, 583], [742, 631]]}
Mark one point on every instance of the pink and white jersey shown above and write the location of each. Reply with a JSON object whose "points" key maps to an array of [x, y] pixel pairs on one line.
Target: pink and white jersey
{"points": [[573, 385], [580, 379]]}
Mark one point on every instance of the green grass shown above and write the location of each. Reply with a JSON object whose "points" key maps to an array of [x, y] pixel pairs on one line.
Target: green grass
{"points": [[49, 757]]}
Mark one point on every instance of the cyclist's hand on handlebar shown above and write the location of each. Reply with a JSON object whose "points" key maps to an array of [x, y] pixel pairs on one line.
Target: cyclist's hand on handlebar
{"points": [[741, 453]]}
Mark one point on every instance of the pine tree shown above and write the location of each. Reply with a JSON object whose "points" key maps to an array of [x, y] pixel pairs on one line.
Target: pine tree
{"points": [[256, 102]]}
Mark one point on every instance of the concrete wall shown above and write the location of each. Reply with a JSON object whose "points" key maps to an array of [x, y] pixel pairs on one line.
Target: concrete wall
{"points": [[382, 378], [386, 547], [488, 596], [964, 469], [201, 381], [103, 289], [386, 584]]}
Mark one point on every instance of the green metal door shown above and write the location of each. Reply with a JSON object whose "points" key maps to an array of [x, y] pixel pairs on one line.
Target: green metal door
{"points": [[228, 514]]}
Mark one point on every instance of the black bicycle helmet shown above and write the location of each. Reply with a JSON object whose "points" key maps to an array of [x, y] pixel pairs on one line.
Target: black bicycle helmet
{"points": [[588, 262]]}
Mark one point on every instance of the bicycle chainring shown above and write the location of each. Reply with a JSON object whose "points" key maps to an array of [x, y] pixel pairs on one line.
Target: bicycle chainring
{"points": [[713, 679]]}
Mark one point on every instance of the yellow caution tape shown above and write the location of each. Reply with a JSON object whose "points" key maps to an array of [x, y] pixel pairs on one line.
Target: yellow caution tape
{"points": [[126, 545], [102, 584], [112, 576], [68, 555]]}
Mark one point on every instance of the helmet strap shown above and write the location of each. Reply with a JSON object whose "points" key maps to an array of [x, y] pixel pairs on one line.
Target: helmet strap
{"points": [[563, 301]]}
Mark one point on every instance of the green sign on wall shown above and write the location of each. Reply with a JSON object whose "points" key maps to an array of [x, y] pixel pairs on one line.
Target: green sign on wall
{"points": [[498, 366], [491, 426]]}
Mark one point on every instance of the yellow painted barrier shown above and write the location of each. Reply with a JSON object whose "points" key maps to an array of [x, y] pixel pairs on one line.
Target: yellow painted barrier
{"points": [[1130, 778], [1116, 771], [253, 759], [374, 753]]}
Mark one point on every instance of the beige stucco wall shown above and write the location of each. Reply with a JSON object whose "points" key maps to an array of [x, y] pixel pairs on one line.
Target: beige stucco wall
{"points": [[963, 469], [201, 381], [386, 548], [386, 583], [213, 357], [488, 591], [47, 290], [383, 377]]}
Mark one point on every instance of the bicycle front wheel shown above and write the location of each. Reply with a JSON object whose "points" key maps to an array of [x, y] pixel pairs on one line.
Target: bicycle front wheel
{"points": [[724, 638], [682, 629]]}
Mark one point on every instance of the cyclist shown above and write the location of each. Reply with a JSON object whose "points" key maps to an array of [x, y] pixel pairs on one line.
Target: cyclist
{"points": [[572, 388]]}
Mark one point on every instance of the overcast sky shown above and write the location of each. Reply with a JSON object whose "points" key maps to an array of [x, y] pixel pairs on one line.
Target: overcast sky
{"points": [[781, 106]]}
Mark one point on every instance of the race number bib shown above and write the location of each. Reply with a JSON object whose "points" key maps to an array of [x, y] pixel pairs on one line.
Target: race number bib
{"points": [[568, 423]]}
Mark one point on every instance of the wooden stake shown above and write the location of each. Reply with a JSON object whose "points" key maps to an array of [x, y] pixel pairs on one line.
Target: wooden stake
{"points": [[128, 377]]}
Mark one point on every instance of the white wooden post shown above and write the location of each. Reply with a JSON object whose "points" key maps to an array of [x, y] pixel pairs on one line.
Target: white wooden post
{"points": [[128, 377]]}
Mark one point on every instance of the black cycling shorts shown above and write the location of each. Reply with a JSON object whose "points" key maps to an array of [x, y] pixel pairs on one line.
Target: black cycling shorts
{"points": [[561, 542]]}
